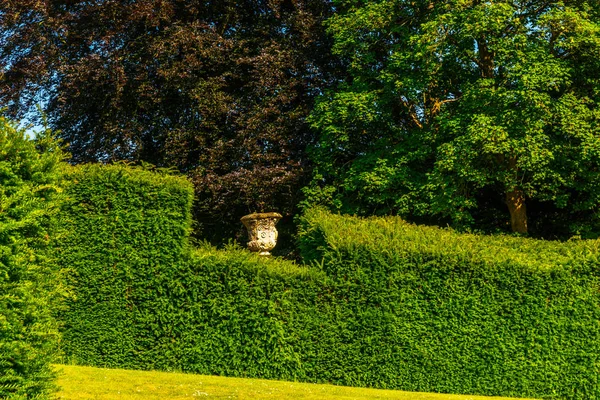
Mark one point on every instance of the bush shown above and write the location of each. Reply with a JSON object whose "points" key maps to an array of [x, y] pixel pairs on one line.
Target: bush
{"points": [[384, 303], [427, 309], [246, 315], [143, 299], [29, 285], [126, 233]]}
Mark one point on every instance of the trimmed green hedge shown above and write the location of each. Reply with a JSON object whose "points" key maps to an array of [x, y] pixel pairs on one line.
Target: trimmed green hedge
{"points": [[143, 299], [384, 303], [245, 315], [126, 230], [431, 310], [30, 286]]}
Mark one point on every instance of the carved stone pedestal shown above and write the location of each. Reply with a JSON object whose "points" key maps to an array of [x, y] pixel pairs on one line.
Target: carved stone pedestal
{"points": [[261, 231]]}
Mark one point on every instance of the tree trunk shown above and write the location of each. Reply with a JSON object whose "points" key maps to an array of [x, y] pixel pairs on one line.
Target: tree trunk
{"points": [[515, 200], [486, 59]]}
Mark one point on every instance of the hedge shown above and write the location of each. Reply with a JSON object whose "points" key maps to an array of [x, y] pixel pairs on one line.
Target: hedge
{"points": [[427, 309], [380, 303], [144, 299], [246, 315], [126, 231], [30, 286]]}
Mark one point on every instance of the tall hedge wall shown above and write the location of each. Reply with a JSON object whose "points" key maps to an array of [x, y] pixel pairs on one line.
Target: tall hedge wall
{"points": [[143, 299], [383, 304], [125, 232], [427, 309]]}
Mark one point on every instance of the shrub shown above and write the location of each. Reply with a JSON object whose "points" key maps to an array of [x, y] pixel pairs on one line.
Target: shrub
{"points": [[383, 303], [126, 232], [246, 315], [427, 309], [144, 299], [29, 285]]}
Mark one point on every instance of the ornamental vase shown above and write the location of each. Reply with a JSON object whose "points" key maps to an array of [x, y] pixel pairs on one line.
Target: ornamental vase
{"points": [[261, 231]]}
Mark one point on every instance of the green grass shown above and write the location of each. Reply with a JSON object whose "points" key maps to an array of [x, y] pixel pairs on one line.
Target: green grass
{"points": [[106, 384]]}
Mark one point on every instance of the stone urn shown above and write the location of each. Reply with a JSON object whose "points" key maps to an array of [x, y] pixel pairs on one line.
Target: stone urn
{"points": [[261, 231]]}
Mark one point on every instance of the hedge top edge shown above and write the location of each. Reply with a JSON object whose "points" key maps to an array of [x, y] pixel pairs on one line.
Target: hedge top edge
{"points": [[397, 238]]}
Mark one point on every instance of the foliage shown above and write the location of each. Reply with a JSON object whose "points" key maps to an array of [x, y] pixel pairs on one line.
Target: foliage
{"points": [[219, 89], [457, 104], [384, 303], [30, 286], [426, 309], [126, 230], [144, 300]]}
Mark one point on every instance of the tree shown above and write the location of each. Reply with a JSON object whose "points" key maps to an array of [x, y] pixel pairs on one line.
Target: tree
{"points": [[30, 285], [452, 101], [218, 89]]}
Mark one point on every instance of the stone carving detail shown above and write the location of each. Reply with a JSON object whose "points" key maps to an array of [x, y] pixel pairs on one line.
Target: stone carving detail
{"points": [[261, 231]]}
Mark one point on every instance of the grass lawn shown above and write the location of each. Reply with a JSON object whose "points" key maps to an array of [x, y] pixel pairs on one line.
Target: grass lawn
{"points": [[107, 384]]}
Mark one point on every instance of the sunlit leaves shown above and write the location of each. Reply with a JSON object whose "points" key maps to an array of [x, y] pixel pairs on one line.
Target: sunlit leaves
{"points": [[479, 90], [30, 284]]}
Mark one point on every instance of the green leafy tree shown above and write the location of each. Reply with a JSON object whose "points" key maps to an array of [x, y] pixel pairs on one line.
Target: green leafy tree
{"points": [[456, 102], [29, 284]]}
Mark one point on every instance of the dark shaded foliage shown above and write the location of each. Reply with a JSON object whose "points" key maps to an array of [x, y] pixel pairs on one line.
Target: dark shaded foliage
{"points": [[219, 89]]}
